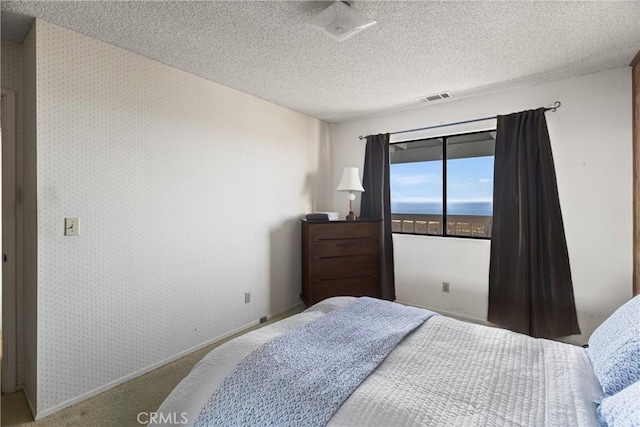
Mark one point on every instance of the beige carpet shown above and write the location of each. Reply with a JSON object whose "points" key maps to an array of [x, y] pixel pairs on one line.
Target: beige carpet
{"points": [[120, 406]]}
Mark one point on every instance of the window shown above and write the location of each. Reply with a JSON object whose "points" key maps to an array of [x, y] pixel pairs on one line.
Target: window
{"points": [[443, 186]]}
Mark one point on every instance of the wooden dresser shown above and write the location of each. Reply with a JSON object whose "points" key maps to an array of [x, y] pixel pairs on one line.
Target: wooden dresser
{"points": [[340, 258]]}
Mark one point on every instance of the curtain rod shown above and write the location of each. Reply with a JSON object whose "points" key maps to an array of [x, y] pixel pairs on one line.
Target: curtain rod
{"points": [[556, 105]]}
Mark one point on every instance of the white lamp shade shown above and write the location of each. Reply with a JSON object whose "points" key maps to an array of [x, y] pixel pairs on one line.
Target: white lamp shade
{"points": [[340, 21], [350, 180]]}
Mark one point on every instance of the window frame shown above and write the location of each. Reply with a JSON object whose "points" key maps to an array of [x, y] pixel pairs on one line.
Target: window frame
{"points": [[444, 186]]}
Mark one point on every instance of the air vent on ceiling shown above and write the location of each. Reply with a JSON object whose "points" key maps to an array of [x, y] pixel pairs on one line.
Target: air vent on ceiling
{"points": [[436, 97]]}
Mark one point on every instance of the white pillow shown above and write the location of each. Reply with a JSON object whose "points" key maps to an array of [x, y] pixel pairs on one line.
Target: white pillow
{"points": [[622, 409], [614, 348]]}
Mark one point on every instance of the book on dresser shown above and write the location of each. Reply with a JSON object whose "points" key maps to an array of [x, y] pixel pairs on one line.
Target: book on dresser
{"points": [[340, 258]]}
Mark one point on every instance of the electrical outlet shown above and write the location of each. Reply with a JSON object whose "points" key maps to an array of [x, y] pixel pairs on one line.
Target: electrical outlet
{"points": [[247, 297], [263, 319], [445, 287]]}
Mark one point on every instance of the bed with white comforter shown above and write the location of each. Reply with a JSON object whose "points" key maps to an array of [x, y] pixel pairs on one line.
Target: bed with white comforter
{"points": [[445, 373]]}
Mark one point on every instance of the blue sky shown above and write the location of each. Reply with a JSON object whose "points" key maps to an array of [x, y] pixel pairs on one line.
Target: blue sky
{"points": [[469, 180]]}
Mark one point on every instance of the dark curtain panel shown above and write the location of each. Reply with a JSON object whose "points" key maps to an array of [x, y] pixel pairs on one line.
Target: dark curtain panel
{"points": [[530, 289], [376, 204]]}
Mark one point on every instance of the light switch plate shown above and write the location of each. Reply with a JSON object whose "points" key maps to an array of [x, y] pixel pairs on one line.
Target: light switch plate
{"points": [[71, 227]]}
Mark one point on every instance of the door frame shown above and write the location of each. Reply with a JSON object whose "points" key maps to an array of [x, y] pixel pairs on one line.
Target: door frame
{"points": [[9, 253], [635, 99]]}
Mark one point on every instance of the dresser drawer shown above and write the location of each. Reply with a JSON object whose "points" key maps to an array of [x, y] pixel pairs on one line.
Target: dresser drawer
{"points": [[356, 287], [344, 267], [354, 229], [343, 247]]}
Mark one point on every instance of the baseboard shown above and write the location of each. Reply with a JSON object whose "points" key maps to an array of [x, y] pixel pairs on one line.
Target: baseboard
{"points": [[150, 368], [284, 310], [31, 408]]}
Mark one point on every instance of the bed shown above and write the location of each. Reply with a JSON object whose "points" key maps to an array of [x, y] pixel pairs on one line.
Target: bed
{"points": [[451, 373]]}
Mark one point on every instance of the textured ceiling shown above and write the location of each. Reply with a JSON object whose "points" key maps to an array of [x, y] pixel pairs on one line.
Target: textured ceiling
{"points": [[417, 48]]}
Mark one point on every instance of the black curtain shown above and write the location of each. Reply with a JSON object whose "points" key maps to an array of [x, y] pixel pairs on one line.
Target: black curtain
{"points": [[530, 288], [376, 204]]}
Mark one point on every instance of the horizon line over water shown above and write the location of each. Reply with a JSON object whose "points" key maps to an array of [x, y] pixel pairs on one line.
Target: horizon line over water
{"points": [[435, 208]]}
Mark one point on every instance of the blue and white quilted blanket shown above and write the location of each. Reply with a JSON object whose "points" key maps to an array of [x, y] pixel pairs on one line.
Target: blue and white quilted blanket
{"points": [[302, 377]]}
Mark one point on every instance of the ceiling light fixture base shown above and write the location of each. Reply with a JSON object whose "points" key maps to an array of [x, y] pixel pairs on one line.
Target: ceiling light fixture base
{"points": [[340, 21]]}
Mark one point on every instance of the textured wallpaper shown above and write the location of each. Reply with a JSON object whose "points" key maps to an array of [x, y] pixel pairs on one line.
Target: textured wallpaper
{"points": [[11, 78], [188, 195]]}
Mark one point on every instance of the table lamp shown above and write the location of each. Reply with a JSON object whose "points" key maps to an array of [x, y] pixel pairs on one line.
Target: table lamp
{"points": [[350, 182]]}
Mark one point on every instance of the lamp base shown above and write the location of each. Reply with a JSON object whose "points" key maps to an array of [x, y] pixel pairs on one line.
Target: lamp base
{"points": [[351, 216]]}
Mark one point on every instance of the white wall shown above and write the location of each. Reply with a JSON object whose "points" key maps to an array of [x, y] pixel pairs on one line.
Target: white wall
{"points": [[591, 142], [188, 195]]}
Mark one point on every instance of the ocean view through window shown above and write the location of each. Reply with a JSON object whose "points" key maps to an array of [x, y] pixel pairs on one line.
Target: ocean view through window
{"points": [[456, 168]]}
